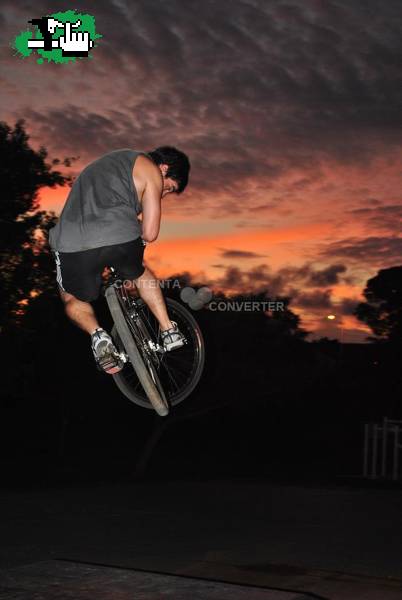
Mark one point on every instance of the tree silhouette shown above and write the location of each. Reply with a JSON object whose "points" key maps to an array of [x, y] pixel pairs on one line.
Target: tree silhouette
{"points": [[258, 365], [382, 311], [23, 244]]}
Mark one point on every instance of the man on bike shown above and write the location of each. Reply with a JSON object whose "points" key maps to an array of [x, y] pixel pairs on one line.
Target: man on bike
{"points": [[99, 227]]}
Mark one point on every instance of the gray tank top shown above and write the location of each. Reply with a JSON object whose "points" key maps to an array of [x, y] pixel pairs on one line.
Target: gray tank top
{"points": [[102, 206]]}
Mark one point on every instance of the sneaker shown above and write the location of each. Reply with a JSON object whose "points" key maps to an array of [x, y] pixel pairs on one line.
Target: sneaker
{"points": [[172, 338], [105, 352]]}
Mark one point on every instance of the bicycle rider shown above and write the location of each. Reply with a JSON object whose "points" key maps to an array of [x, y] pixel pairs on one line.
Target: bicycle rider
{"points": [[99, 227]]}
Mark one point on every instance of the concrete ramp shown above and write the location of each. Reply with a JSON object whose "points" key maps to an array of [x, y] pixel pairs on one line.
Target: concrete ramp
{"points": [[58, 579]]}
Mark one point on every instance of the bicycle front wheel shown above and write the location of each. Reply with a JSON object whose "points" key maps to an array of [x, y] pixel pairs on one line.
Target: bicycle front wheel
{"points": [[146, 373], [179, 371]]}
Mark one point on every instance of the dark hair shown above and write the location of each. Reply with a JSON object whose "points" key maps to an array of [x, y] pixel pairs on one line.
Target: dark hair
{"points": [[177, 161]]}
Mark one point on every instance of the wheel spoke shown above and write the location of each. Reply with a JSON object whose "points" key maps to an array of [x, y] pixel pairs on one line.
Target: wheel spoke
{"points": [[172, 379], [178, 359], [181, 371], [148, 317], [175, 372]]}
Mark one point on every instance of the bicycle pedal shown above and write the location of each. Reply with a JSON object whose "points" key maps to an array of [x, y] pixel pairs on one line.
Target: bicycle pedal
{"points": [[122, 357], [110, 364], [178, 344]]}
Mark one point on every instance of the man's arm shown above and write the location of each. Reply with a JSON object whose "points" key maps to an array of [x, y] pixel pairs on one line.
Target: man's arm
{"points": [[150, 177]]}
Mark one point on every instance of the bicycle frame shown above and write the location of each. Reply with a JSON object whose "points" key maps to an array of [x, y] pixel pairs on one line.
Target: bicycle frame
{"points": [[129, 305]]}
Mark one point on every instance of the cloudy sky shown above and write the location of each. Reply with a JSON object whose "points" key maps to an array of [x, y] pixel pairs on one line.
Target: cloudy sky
{"points": [[290, 111]]}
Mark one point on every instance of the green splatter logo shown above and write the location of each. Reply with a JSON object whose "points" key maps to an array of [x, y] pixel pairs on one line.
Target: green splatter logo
{"points": [[61, 37]]}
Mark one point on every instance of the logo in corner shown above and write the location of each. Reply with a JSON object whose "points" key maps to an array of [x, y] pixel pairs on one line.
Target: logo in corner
{"points": [[59, 38]]}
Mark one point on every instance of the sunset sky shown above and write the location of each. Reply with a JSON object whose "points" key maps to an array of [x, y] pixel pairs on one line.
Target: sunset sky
{"points": [[290, 112]]}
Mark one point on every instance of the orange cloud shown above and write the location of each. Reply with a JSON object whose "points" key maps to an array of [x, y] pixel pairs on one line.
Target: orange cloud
{"points": [[53, 199], [199, 252]]}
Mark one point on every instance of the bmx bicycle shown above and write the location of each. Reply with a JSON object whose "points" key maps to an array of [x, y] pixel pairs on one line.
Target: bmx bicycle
{"points": [[152, 377]]}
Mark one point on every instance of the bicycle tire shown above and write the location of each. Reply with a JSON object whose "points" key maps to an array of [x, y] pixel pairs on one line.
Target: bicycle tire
{"points": [[126, 388], [157, 399]]}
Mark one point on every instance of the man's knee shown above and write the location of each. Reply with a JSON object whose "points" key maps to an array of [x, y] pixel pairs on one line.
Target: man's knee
{"points": [[147, 274], [66, 297], [145, 278], [69, 300]]}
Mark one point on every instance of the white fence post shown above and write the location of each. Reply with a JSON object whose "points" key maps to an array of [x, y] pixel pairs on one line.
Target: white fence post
{"points": [[366, 449], [374, 454], [395, 470], [375, 448], [384, 447]]}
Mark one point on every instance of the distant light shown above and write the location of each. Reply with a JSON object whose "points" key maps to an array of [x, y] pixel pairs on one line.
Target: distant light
{"points": [[331, 317]]}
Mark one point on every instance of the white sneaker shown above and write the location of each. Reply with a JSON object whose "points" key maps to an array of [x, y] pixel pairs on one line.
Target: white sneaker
{"points": [[172, 338], [105, 352]]}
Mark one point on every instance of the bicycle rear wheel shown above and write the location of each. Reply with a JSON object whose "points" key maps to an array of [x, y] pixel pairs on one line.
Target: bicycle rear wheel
{"points": [[146, 373], [179, 371]]}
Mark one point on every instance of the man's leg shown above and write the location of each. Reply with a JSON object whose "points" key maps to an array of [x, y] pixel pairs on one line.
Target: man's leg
{"points": [[150, 291], [81, 313]]}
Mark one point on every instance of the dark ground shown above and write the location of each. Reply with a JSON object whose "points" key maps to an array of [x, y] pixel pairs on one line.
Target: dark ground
{"points": [[264, 492], [342, 541]]}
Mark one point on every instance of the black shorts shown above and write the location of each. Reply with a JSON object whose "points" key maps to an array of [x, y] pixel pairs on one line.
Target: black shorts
{"points": [[80, 273]]}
